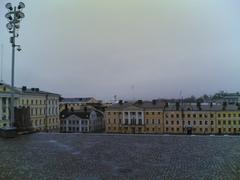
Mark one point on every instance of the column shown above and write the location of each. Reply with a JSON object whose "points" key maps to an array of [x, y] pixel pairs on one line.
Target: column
{"points": [[1, 111], [129, 118], [137, 121]]}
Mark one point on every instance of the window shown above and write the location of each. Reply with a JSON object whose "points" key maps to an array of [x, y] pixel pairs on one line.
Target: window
{"points": [[177, 115], [200, 122], [172, 129], [166, 115], [152, 121], [224, 122], [194, 115], [172, 122], [166, 122], [212, 122], [146, 113], [234, 122], [159, 121], [177, 122], [200, 115], [229, 115], [166, 129], [114, 113], [172, 116], [189, 115], [206, 122], [229, 122], [224, 115], [153, 113], [194, 122], [189, 123], [219, 122], [159, 113], [211, 115], [219, 115], [140, 121]]}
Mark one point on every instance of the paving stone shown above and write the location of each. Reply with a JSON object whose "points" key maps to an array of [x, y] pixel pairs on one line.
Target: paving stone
{"points": [[100, 157]]}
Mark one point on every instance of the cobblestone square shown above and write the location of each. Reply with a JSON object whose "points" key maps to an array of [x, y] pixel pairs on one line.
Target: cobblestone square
{"points": [[100, 156]]}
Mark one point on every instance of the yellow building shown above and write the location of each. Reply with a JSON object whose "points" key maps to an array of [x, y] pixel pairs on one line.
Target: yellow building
{"points": [[153, 117], [44, 107], [136, 117], [228, 120]]}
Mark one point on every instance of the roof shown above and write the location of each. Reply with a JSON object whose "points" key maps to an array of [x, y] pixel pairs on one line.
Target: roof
{"points": [[172, 107], [25, 90], [82, 113], [77, 100]]}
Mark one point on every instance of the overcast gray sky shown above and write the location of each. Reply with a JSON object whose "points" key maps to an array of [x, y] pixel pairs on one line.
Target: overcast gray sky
{"points": [[140, 49]]}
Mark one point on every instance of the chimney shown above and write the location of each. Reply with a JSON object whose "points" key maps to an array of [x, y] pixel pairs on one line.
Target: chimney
{"points": [[24, 88], [154, 101]]}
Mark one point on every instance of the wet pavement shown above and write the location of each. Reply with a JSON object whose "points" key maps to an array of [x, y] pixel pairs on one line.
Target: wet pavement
{"points": [[99, 156]]}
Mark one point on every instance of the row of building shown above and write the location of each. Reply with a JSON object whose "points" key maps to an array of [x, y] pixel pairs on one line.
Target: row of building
{"points": [[38, 110], [154, 117], [44, 111]]}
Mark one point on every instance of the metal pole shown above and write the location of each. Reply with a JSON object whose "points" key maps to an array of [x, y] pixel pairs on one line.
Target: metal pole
{"points": [[13, 64]]}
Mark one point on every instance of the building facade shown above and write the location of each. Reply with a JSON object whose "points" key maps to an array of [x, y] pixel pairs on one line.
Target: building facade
{"points": [[81, 121], [44, 107], [156, 118]]}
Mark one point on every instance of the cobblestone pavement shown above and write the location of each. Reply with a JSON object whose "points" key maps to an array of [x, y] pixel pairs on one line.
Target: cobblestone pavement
{"points": [[99, 156]]}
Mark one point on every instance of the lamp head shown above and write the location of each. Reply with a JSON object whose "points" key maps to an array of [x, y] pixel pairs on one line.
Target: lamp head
{"points": [[21, 5], [9, 16], [9, 6]]}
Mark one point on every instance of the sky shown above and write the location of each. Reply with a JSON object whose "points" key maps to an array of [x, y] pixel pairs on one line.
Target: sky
{"points": [[135, 49]]}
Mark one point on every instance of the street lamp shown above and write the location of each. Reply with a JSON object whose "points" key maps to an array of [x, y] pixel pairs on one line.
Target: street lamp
{"points": [[14, 16]]}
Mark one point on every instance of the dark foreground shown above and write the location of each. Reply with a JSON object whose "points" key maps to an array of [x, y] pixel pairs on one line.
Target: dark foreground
{"points": [[76, 156]]}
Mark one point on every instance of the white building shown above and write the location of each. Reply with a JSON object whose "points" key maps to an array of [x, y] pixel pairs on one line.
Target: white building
{"points": [[81, 121]]}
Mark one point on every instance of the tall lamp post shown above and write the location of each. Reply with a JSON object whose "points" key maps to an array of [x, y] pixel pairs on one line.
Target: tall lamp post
{"points": [[14, 16]]}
